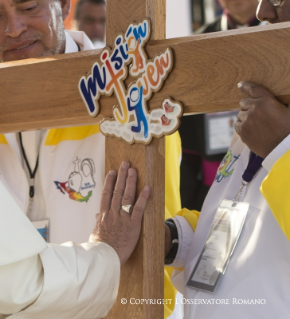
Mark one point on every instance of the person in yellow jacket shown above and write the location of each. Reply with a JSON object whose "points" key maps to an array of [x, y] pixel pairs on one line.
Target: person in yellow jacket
{"points": [[56, 178], [258, 266], [172, 205], [172, 208], [264, 126]]}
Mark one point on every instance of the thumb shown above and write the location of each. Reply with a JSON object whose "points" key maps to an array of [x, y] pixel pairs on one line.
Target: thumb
{"points": [[253, 90]]}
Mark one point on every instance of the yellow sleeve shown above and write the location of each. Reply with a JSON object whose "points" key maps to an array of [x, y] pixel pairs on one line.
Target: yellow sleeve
{"points": [[275, 189], [173, 205], [172, 174], [190, 215]]}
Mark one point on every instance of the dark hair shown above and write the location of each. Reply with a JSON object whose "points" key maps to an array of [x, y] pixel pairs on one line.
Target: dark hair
{"points": [[81, 2]]}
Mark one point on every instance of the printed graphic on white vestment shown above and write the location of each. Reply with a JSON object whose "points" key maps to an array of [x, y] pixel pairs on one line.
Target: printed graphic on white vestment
{"points": [[81, 182], [225, 170]]}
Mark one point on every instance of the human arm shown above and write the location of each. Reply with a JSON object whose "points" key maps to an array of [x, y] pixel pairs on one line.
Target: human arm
{"points": [[264, 125], [17, 279], [168, 240], [185, 222], [114, 226], [263, 122], [64, 281], [81, 281], [21, 272]]}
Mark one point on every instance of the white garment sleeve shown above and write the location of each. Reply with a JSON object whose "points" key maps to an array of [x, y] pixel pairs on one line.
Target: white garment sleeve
{"points": [[277, 152], [185, 238], [21, 284], [80, 282]]}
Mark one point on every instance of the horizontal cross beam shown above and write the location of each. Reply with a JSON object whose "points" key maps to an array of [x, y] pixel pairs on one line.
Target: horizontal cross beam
{"points": [[43, 92]]}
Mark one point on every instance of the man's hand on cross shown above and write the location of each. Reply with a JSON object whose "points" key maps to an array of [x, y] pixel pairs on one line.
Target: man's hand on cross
{"points": [[115, 226], [263, 121]]}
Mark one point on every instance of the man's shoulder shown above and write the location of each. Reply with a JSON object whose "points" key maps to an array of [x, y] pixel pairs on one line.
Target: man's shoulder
{"points": [[210, 27], [73, 133]]}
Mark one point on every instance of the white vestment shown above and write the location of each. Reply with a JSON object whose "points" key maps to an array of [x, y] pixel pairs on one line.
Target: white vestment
{"points": [[40, 280], [256, 280]]}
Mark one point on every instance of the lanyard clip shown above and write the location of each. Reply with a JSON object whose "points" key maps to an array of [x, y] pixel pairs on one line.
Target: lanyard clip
{"points": [[31, 188], [239, 193]]}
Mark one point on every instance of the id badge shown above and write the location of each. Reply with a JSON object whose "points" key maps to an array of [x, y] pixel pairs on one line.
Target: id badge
{"points": [[43, 228], [219, 246]]}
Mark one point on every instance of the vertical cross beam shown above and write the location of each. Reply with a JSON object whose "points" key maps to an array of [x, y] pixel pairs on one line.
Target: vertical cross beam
{"points": [[143, 275]]}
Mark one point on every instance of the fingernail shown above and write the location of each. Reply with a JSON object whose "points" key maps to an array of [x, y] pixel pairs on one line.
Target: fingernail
{"points": [[131, 171], [112, 173], [240, 84], [147, 188], [125, 164]]}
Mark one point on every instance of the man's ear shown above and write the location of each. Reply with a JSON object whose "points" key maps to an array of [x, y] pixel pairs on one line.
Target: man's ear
{"points": [[65, 8]]}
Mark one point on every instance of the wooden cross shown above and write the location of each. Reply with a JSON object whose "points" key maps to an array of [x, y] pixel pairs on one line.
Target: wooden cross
{"points": [[42, 93]]}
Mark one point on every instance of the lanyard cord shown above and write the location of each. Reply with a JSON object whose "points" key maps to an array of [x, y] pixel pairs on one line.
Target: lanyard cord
{"points": [[254, 165], [31, 174]]}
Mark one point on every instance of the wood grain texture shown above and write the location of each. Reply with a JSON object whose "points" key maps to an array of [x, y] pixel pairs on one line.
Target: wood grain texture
{"points": [[206, 71], [142, 277], [131, 283], [156, 11], [208, 67], [153, 251]]}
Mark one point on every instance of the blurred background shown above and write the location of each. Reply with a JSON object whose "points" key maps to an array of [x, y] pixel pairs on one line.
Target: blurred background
{"points": [[182, 19]]}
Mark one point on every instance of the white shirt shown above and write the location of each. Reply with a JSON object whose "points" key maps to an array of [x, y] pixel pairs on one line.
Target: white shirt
{"points": [[259, 267], [51, 281], [31, 143]]}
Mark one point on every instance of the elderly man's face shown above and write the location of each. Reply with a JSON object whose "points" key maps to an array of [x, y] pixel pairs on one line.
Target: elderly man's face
{"points": [[239, 7], [266, 12], [32, 28]]}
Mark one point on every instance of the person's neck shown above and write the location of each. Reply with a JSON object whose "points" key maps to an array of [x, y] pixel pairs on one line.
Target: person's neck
{"points": [[241, 19]]}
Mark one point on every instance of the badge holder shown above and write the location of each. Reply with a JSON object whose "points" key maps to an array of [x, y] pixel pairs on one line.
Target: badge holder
{"points": [[223, 236], [219, 246]]}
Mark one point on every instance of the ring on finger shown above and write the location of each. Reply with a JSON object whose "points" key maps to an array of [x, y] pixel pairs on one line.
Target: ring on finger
{"points": [[127, 208]]}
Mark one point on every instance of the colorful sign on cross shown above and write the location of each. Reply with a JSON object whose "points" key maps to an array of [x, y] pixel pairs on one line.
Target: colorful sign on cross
{"points": [[108, 75]]}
